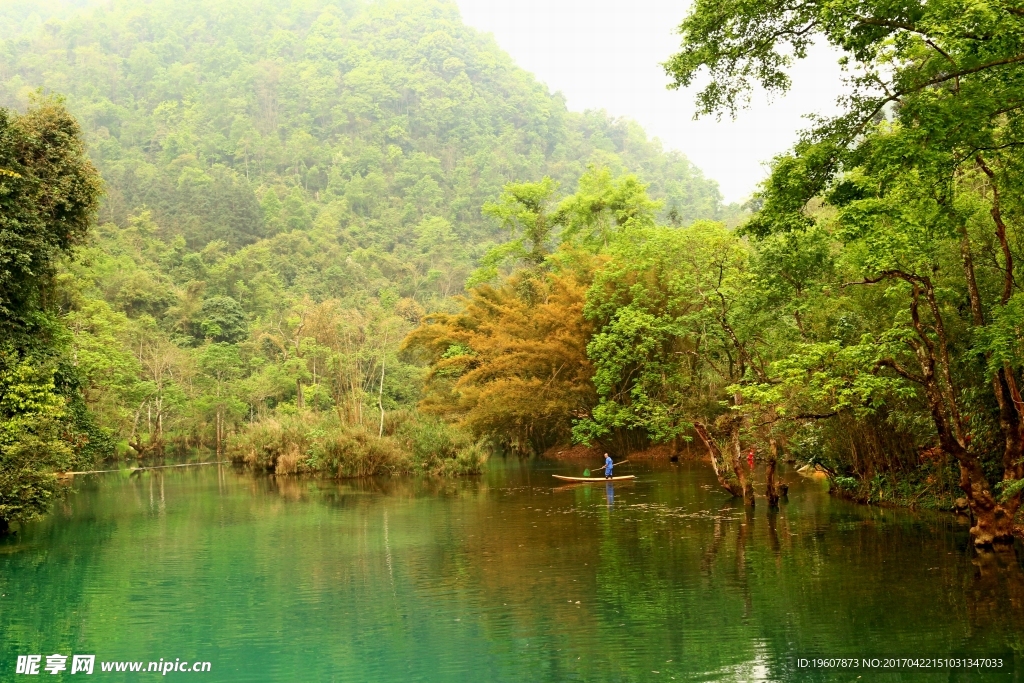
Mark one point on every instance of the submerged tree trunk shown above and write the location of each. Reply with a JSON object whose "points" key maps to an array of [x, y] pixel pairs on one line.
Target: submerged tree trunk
{"points": [[718, 461], [771, 488]]}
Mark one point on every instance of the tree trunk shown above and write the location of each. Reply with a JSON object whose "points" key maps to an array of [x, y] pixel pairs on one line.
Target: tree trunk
{"points": [[380, 400], [380, 392], [771, 489], [5, 527], [718, 461], [993, 520], [746, 487], [160, 418]]}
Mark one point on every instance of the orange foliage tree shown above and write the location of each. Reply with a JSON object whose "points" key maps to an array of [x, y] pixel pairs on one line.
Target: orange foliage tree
{"points": [[512, 365]]}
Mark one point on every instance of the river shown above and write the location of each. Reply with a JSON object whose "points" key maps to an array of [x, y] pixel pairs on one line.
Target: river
{"points": [[503, 577]]}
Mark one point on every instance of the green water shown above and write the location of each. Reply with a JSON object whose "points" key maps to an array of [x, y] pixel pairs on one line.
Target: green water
{"points": [[505, 577]]}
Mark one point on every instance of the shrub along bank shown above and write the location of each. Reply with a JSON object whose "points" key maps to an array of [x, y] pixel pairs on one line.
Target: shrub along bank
{"points": [[322, 444]]}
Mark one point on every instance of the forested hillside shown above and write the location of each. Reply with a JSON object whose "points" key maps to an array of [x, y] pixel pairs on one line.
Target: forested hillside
{"points": [[19, 17], [382, 114], [289, 187]]}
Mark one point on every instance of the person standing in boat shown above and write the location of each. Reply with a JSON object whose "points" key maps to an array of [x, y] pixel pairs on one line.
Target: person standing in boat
{"points": [[608, 465]]}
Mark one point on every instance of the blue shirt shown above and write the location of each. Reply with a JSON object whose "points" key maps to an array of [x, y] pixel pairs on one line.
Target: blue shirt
{"points": [[608, 464]]}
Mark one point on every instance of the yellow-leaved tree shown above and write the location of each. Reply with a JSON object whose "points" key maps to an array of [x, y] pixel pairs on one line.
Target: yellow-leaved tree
{"points": [[512, 365]]}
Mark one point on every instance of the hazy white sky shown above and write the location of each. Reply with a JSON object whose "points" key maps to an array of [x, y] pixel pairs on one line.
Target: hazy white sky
{"points": [[605, 54]]}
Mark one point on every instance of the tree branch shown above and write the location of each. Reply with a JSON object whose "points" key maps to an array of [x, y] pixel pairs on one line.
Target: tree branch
{"points": [[997, 217], [899, 370], [903, 26]]}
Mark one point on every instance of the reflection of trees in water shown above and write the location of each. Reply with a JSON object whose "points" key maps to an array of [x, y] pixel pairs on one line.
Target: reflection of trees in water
{"points": [[831, 575], [996, 600], [878, 575], [707, 584], [345, 492], [44, 579]]}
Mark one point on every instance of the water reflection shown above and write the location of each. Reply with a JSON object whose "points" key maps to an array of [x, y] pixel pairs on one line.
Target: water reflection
{"points": [[504, 576]]}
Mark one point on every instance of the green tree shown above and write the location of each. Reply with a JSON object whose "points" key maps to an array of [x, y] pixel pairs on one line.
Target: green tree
{"points": [[222, 320], [48, 196], [922, 172], [672, 337], [603, 206], [525, 211], [220, 364]]}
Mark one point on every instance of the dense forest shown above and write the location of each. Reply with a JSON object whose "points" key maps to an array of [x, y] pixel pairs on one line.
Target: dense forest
{"points": [[288, 187], [354, 238]]}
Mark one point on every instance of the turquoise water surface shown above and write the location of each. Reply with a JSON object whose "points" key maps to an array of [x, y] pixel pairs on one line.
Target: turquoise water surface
{"points": [[504, 577]]}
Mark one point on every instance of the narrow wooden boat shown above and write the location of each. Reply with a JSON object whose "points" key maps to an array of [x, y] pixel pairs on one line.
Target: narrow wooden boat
{"points": [[593, 479]]}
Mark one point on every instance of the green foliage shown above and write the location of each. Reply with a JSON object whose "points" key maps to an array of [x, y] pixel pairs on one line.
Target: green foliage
{"points": [[317, 443], [1010, 488], [44, 428], [917, 186], [320, 443], [845, 484], [524, 209], [538, 221], [665, 317], [48, 195], [31, 447], [604, 206], [442, 449], [223, 320], [290, 186]]}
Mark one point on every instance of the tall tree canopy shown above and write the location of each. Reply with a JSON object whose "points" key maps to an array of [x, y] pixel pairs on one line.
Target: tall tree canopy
{"points": [[49, 192]]}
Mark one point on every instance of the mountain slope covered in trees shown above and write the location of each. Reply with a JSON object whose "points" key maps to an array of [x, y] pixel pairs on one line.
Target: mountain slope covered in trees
{"points": [[381, 113]]}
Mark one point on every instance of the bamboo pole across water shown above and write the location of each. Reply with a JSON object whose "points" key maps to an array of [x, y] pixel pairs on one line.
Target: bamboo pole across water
{"points": [[142, 469]]}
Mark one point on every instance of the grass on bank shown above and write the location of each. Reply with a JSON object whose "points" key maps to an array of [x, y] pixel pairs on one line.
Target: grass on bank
{"points": [[322, 444]]}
